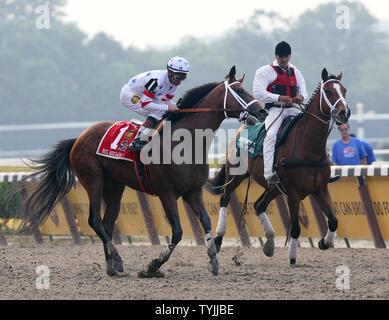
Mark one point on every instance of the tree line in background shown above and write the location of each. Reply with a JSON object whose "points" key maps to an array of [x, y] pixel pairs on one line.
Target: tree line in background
{"points": [[58, 75]]}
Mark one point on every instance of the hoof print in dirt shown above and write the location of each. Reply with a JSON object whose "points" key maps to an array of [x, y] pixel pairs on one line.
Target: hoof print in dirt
{"points": [[146, 274]]}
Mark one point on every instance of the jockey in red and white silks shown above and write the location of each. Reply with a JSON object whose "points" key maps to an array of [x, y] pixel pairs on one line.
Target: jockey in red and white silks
{"points": [[136, 97], [151, 94], [275, 85]]}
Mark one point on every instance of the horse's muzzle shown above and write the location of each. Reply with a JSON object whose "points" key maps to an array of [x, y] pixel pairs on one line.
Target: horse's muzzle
{"points": [[342, 117], [257, 112]]}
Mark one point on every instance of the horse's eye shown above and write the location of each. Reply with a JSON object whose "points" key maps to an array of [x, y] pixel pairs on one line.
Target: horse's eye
{"points": [[240, 90], [328, 92]]}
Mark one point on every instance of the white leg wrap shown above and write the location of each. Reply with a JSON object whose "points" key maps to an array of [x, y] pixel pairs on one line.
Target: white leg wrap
{"points": [[293, 248], [329, 239], [266, 224], [221, 224]]}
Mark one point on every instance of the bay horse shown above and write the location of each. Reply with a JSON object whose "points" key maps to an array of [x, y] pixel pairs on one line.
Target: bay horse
{"points": [[105, 178], [305, 171]]}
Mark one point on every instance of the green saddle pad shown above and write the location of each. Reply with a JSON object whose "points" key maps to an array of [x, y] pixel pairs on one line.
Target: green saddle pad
{"points": [[252, 140]]}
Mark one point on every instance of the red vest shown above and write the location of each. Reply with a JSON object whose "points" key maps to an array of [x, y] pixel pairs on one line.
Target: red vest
{"points": [[285, 84]]}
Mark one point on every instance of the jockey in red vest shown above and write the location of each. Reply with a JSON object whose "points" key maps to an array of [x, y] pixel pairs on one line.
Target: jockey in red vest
{"points": [[151, 94], [277, 85]]}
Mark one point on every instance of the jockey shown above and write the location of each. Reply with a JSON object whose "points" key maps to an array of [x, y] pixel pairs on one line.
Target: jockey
{"points": [[151, 95], [278, 85]]}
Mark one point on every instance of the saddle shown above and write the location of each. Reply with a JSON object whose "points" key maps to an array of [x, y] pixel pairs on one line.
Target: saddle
{"points": [[115, 145], [253, 143]]}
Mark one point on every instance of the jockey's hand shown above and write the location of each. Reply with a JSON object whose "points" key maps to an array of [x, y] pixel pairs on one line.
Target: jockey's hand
{"points": [[286, 99], [298, 99], [173, 107]]}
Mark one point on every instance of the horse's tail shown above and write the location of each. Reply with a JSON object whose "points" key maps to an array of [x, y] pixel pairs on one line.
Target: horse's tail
{"points": [[215, 184], [52, 181]]}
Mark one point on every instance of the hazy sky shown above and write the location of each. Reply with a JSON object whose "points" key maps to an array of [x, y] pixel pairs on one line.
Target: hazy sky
{"points": [[165, 23]]}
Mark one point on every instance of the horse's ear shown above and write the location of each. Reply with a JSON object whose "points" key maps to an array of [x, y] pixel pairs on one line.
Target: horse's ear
{"points": [[241, 79], [339, 76], [324, 75], [231, 75]]}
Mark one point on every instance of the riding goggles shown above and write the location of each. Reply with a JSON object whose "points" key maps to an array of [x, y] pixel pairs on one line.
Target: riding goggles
{"points": [[179, 76]]}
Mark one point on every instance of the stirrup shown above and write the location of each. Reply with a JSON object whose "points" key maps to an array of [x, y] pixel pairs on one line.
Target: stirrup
{"points": [[273, 181]]}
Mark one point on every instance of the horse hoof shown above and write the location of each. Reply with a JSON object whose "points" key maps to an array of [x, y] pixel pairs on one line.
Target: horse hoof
{"points": [[268, 248], [218, 243], [322, 245], [153, 266], [214, 266], [111, 271], [114, 266], [118, 265], [292, 261]]}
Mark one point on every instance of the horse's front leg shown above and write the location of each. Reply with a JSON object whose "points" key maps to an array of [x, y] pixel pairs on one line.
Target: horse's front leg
{"points": [[195, 201], [260, 208], [169, 203], [231, 183], [323, 199], [294, 205]]}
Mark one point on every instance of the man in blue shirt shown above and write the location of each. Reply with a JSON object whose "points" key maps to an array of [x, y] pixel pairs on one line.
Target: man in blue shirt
{"points": [[369, 150], [348, 150]]}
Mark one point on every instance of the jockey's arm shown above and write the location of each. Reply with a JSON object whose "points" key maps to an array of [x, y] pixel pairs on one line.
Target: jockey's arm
{"points": [[263, 77], [153, 106], [298, 99], [302, 94], [168, 100]]}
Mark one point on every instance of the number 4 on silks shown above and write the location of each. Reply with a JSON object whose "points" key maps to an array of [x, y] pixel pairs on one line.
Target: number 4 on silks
{"points": [[114, 144]]}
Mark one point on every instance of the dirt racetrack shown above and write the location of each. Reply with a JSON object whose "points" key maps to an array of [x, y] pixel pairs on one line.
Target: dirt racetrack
{"points": [[78, 272]]}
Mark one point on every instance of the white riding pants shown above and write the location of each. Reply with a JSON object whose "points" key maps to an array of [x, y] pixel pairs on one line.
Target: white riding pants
{"points": [[272, 126]]}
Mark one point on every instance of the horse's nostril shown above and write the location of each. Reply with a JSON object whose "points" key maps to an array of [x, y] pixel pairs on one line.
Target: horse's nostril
{"points": [[342, 114]]}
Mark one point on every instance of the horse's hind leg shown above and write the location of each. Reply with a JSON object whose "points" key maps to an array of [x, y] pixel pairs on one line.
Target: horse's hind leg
{"points": [[93, 183], [323, 199], [260, 207], [195, 201], [112, 194], [231, 183], [169, 203]]}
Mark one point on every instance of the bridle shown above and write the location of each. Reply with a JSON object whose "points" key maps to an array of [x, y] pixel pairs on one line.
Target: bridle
{"points": [[243, 103], [244, 113], [330, 105]]}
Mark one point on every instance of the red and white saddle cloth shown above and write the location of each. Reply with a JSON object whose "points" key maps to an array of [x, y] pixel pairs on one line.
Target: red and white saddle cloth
{"points": [[116, 141], [115, 144]]}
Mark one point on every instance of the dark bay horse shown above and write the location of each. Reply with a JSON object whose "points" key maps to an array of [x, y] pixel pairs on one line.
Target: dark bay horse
{"points": [[307, 173], [105, 178]]}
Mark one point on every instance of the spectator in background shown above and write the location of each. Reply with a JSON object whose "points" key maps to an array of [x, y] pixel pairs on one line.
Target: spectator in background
{"points": [[369, 149], [348, 150]]}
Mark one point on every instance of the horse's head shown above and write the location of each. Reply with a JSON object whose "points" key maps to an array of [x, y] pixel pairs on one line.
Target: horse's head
{"points": [[238, 103], [333, 93]]}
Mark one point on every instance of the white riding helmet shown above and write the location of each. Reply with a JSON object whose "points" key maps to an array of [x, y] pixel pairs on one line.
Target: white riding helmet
{"points": [[178, 64]]}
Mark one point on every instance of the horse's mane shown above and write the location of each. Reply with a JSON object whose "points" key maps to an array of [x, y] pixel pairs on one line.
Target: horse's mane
{"points": [[313, 96], [192, 98]]}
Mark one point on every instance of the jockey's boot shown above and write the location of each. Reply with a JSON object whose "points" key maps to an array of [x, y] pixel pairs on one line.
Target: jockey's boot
{"points": [[272, 181], [143, 134]]}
